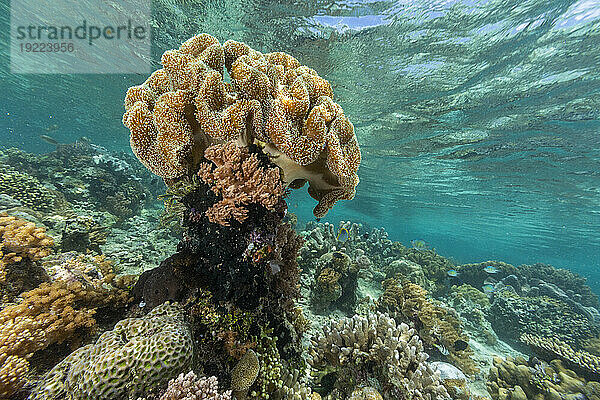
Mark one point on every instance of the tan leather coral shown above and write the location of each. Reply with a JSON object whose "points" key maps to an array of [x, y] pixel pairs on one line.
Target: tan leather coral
{"points": [[272, 100]]}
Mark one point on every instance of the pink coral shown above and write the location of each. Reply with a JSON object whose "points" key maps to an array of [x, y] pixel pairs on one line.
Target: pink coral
{"points": [[239, 179], [190, 387]]}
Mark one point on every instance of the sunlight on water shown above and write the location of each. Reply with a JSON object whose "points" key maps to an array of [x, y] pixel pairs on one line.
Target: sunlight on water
{"points": [[478, 124]]}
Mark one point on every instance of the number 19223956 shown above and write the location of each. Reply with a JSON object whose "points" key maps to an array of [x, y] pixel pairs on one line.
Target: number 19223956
{"points": [[37, 47]]}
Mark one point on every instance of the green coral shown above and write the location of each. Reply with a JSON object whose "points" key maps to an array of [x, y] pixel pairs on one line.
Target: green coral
{"points": [[467, 293], [472, 305], [475, 275], [564, 279], [336, 281], [277, 378], [136, 356], [408, 302]]}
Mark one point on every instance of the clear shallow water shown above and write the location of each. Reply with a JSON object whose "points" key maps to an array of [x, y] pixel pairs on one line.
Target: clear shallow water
{"points": [[478, 121]]}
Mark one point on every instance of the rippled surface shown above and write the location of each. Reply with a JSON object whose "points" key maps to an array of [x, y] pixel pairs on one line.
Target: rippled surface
{"points": [[478, 120]]}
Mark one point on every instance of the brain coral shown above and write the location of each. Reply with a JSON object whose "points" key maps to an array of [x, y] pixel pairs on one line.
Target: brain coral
{"points": [[272, 101], [133, 358]]}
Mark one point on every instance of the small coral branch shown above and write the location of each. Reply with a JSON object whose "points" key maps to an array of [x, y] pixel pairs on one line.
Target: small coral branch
{"points": [[21, 239], [191, 387], [238, 177]]}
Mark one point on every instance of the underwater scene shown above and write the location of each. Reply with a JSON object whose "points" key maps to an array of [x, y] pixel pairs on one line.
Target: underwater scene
{"points": [[300, 200]]}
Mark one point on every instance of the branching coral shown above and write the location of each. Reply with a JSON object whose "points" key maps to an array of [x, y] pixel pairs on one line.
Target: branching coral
{"points": [[22, 239], [136, 356], [363, 348], [273, 101], [240, 180], [51, 313], [437, 326], [190, 387]]}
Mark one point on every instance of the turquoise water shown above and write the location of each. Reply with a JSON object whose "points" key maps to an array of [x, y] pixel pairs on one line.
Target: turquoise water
{"points": [[478, 121], [514, 83], [479, 128]]}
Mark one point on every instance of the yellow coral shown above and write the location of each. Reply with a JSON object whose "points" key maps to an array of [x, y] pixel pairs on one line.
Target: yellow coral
{"points": [[274, 101], [517, 379], [244, 374], [557, 348], [22, 239]]}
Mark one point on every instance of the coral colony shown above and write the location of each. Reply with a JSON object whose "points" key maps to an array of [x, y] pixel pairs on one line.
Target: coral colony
{"points": [[219, 297]]}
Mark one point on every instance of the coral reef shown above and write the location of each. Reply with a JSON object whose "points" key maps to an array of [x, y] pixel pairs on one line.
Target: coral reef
{"points": [[435, 267], [359, 349], [272, 100], [136, 356], [512, 316], [438, 327], [365, 393], [472, 306], [25, 190], [551, 347], [453, 380], [519, 379], [82, 174], [572, 284], [336, 281], [238, 179]]}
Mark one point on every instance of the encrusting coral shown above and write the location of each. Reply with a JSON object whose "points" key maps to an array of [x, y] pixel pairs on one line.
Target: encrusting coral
{"points": [[336, 281], [238, 178], [513, 315], [244, 374], [361, 350], [272, 101], [25, 189], [519, 379], [135, 357]]}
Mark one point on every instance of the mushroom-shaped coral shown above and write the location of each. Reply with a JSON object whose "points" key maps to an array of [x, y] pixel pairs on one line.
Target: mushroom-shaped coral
{"points": [[272, 100]]}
